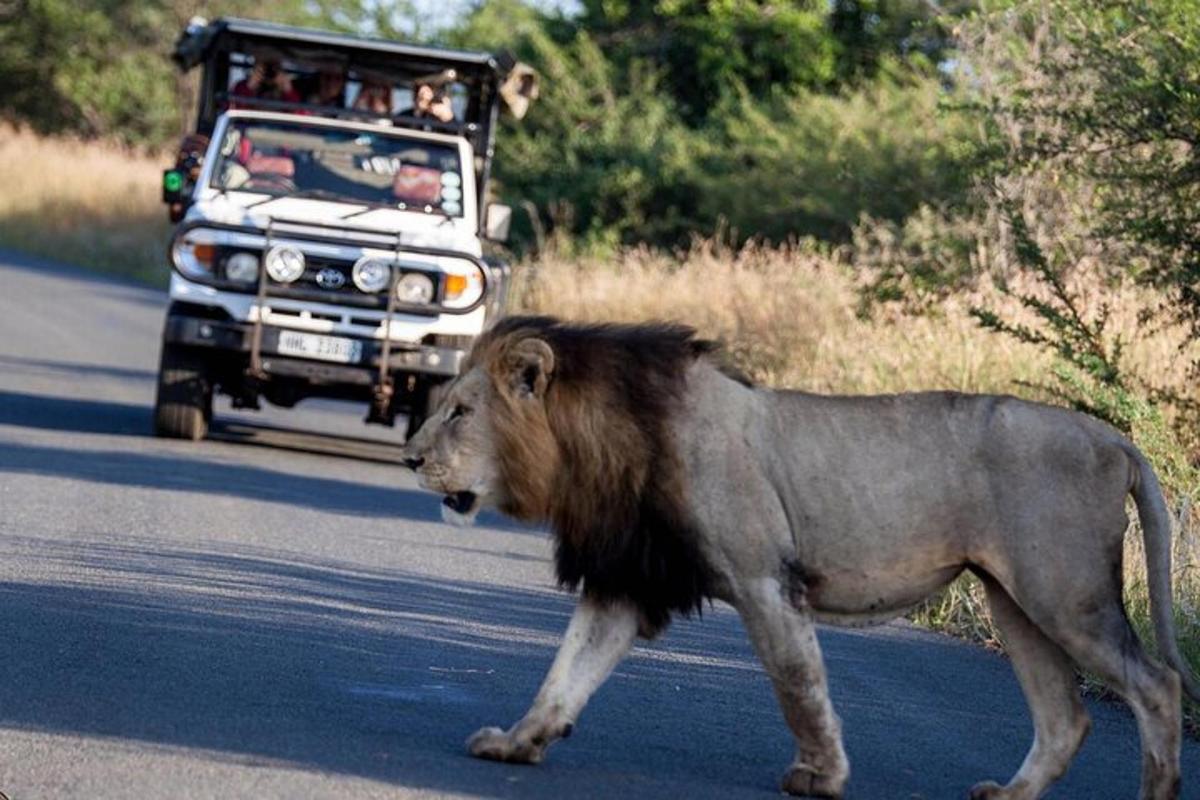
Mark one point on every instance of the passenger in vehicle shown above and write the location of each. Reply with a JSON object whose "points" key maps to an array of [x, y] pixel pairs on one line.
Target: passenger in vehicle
{"points": [[267, 81], [376, 97], [330, 89], [431, 103]]}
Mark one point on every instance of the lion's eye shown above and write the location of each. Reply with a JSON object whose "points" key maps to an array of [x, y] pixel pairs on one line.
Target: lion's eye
{"points": [[458, 411]]}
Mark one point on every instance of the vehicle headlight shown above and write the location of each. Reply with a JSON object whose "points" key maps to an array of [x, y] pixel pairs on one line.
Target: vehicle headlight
{"points": [[285, 263], [415, 288], [371, 275], [463, 288], [242, 268], [194, 257]]}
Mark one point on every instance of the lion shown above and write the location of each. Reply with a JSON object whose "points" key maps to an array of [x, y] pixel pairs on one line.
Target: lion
{"points": [[667, 480]]}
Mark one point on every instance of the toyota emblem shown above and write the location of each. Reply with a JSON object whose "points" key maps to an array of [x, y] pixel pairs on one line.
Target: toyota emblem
{"points": [[330, 278]]}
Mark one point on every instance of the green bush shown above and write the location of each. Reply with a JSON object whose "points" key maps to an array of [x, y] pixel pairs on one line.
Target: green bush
{"points": [[101, 67], [616, 152], [814, 164], [1113, 100], [621, 166]]}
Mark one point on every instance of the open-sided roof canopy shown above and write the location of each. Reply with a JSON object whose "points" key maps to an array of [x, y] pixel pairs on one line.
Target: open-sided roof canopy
{"points": [[317, 47], [227, 43], [216, 45]]}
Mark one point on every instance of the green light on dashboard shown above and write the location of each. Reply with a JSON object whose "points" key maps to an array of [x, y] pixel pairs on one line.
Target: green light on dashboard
{"points": [[172, 181]]}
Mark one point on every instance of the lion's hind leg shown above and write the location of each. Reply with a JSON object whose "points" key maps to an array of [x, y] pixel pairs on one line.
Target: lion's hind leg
{"points": [[1047, 677], [1094, 631], [1104, 643], [785, 639]]}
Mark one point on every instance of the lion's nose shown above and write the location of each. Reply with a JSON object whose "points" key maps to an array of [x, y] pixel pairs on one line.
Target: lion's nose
{"points": [[413, 462]]}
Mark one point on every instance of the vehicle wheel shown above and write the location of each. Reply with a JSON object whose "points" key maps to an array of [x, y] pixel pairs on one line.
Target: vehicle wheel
{"points": [[183, 405], [433, 396]]}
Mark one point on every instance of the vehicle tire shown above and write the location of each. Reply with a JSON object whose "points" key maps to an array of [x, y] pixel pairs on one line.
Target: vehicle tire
{"points": [[183, 405], [433, 396]]}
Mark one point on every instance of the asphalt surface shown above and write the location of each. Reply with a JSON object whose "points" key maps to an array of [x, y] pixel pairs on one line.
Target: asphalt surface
{"points": [[277, 612]]}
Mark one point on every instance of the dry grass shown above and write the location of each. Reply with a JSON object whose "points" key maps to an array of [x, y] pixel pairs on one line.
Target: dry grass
{"points": [[788, 315], [84, 203]]}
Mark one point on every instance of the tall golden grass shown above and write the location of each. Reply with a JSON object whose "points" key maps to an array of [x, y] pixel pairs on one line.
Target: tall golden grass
{"points": [[83, 202], [791, 315], [788, 314]]}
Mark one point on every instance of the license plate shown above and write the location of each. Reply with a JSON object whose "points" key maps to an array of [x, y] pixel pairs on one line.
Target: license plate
{"points": [[323, 348]]}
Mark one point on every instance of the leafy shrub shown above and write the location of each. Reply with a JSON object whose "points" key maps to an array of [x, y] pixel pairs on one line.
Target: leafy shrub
{"points": [[1106, 96], [814, 164]]}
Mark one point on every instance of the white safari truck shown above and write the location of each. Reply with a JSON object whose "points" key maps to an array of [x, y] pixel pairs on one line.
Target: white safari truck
{"points": [[329, 246]]}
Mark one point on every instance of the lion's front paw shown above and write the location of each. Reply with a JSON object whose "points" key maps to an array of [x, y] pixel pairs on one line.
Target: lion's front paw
{"points": [[804, 782], [498, 745]]}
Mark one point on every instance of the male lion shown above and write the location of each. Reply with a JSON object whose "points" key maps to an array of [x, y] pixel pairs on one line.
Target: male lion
{"points": [[667, 480]]}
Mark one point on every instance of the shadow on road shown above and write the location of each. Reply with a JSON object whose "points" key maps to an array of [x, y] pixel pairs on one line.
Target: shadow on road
{"points": [[86, 415], [168, 471], [237, 431], [73, 415], [331, 667], [123, 287]]}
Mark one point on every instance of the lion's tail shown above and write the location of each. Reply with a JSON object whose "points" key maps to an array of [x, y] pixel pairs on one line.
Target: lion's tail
{"points": [[1156, 533]]}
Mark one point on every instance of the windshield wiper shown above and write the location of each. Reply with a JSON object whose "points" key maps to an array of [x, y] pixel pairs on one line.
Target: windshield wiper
{"points": [[325, 194], [322, 194], [371, 205]]}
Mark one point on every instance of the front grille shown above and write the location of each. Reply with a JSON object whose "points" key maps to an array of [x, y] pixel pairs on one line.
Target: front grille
{"points": [[315, 265]]}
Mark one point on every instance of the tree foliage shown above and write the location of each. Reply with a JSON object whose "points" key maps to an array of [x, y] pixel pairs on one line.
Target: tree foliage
{"points": [[1091, 113], [659, 119], [102, 68], [620, 150], [706, 50], [870, 35], [1119, 106]]}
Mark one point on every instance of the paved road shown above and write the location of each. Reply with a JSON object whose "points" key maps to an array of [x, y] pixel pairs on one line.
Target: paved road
{"points": [[272, 613]]}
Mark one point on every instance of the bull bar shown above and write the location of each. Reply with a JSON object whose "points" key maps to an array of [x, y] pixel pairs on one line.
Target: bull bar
{"points": [[383, 388]]}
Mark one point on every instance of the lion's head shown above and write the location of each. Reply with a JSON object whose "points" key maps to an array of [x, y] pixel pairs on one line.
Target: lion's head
{"points": [[570, 425], [490, 411]]}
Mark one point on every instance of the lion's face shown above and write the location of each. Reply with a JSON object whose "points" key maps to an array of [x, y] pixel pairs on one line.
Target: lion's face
{"points": [[454, 451], [489, 442]]}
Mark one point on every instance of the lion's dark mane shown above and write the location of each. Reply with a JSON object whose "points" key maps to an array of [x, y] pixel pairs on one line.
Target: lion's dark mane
{"points": [[617, 499]]}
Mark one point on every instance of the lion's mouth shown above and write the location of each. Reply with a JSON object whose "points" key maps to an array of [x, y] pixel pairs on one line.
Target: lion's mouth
{"points": [[461, 502]]}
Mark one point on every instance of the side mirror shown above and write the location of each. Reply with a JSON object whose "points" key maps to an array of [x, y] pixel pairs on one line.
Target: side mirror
{"points": [[497, 222]]}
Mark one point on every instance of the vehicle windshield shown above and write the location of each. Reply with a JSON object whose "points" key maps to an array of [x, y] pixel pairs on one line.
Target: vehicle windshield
{"points": [[288, 159]]}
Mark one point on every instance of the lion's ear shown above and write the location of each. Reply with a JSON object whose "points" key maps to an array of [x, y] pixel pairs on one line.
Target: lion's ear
{"points": [[528, 366]]}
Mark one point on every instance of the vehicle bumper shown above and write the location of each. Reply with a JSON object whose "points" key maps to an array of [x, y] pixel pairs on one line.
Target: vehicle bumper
{"points": [[231, 336]]}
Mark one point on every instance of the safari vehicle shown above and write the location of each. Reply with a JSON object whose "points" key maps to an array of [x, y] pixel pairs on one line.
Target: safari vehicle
{"points": [[325, 250]]}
